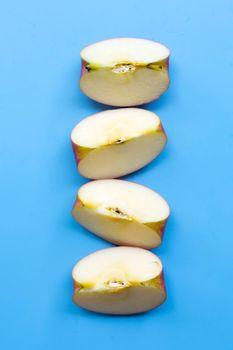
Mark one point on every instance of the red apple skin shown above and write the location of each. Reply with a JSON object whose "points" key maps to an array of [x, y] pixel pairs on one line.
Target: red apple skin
{"points": [[75, 150], [163, 228], [160, 128], [166, 61], [162, 284], [83, 68], [160, 229], [76, 289], [77, 204]]}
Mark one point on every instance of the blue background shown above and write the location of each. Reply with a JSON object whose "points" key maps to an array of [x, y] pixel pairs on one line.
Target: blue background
{"points": [[40, 102]]}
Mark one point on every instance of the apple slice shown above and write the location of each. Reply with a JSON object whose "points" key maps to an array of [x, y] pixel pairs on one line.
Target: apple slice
{"points": [[120, 280], [124, 71], [116, 142], [122, 212]]}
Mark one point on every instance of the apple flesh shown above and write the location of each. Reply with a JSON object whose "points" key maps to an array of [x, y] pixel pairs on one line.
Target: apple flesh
{"points": [[124, 71], [120, 280], [117, 142], [122, 212]]}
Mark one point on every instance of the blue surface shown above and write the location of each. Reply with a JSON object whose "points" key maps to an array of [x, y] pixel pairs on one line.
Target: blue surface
{"points": [[40, 103]]}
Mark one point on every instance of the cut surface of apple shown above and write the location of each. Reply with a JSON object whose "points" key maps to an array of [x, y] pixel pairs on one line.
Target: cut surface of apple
{"points": [[124, 71], [117, 142], [122, 212], [120, 280]]}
